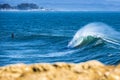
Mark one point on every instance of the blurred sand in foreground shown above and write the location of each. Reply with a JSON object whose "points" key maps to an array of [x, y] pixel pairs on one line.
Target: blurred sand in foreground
{"points": [[91, 70]]}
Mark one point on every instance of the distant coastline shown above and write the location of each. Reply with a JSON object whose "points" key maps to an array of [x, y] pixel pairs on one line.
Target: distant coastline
{"points": [[23, 7], [35, 7]]}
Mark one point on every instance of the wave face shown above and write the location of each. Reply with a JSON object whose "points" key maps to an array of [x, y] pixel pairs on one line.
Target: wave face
{"points": [[95, 34]]}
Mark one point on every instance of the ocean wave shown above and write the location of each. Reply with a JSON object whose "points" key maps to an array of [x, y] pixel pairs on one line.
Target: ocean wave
{"points": [[95, 33]]}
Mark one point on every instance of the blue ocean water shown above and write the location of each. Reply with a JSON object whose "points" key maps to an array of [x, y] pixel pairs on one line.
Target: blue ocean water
{"points": [[38, 37]]}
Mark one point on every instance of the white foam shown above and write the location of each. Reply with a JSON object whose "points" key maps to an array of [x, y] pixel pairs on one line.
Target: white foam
{"points": [[97, 30]]}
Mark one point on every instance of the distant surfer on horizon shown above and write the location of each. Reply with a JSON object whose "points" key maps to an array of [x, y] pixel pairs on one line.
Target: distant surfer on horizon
{"points": [[12, 35]]}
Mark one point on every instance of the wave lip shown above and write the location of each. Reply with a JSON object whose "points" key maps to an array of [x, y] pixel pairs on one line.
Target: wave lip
{"points": [[94, 33]]}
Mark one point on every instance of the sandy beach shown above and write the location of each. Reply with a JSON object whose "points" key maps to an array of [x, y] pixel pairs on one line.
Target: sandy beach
{"points": [[91, 70]]}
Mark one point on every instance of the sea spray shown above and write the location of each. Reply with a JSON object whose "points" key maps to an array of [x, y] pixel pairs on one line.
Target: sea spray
{"points": [[94, 32]]}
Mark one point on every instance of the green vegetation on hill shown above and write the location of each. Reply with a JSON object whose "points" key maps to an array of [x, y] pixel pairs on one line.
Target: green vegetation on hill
{"points": [[22, 6]]}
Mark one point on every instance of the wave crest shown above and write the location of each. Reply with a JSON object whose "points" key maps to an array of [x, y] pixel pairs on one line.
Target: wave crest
{"points": [[94, 33]]}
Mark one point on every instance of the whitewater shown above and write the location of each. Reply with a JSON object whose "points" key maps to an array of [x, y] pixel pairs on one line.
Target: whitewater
{"points": [[96, 32]]}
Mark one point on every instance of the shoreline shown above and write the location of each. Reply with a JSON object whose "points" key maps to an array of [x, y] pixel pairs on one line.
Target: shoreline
{"points": [[90, 70], [45, 10]]}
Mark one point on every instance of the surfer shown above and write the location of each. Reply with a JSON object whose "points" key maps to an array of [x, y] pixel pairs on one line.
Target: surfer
{"points": [[12, 35]]}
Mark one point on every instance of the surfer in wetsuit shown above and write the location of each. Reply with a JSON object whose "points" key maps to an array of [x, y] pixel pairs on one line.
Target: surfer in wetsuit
{"points": [[12, 35]]}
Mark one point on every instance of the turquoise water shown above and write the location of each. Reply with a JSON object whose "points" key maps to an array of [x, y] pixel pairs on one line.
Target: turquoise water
{"points": [[38, 37]]}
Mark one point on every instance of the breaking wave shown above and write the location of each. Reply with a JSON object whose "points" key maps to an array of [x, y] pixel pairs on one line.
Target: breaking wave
{"points": [[95, 34]]}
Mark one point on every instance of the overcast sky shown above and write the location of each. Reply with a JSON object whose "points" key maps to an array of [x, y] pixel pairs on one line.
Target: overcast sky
{"points": [[83, 5]]}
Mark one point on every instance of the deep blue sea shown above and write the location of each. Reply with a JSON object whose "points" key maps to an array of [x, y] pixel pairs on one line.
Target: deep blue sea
{"points": [[48, 37]]}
